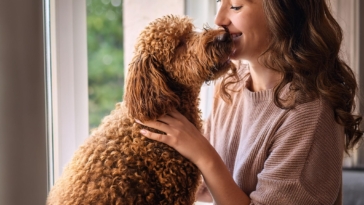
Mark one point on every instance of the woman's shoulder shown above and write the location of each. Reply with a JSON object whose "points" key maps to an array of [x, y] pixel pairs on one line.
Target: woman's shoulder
{"points": [[313, 119], [314, 109]]}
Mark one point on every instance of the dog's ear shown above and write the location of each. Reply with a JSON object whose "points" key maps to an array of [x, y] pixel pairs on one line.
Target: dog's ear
{"points": [[147, 95]]}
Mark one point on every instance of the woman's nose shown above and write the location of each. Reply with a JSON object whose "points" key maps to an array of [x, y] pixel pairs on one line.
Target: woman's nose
{"points": [[221, 18]]}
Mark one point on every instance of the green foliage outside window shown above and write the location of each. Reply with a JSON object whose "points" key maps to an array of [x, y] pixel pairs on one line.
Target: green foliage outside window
{"points": [[105, 57]]}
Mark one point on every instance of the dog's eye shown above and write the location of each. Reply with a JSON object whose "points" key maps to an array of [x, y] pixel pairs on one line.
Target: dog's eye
{"points": [[180, 44], [181, 47]]}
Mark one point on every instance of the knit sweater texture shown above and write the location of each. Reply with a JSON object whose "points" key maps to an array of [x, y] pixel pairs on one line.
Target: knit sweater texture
{"points": [[279, 156]]}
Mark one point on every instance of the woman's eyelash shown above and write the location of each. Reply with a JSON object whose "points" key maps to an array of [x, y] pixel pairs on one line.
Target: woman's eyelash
{"points": [[236, 7]]}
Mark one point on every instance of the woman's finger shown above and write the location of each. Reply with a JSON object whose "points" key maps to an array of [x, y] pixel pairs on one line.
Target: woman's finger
{"points": [[167, 119], [175, 114], [159, 125], [156, 136]]}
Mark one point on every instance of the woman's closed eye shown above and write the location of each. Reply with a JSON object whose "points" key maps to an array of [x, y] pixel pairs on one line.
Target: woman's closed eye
{"points": [[236, 8]]}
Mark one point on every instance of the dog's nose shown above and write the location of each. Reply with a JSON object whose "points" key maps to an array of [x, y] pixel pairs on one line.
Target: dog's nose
{"points": [[223, 37]]}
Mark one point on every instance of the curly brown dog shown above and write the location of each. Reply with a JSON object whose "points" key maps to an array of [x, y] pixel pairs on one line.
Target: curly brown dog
{"points": [[117, 165]]}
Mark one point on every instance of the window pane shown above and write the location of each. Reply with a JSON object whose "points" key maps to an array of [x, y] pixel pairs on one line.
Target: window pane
{"points": [[105, 57]]}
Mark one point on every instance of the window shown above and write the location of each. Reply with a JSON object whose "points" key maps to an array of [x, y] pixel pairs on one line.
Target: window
{"points": [[105, 57], [72, 66]]}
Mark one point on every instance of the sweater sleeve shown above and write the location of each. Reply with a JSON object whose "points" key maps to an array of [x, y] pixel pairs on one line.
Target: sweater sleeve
{"points": [[304, 164]]}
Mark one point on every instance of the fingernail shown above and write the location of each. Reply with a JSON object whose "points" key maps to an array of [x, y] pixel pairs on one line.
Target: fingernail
{"points": [[144, 132], [138, 121]]}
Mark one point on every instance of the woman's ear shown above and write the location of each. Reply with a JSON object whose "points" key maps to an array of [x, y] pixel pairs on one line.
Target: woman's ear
{"points": [[147, 95]]}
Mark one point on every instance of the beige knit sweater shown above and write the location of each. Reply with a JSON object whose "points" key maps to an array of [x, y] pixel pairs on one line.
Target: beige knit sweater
{"points": [[279, 156]]}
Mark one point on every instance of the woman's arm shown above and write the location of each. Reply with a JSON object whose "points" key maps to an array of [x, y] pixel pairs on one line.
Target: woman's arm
{"points": [[220, 183], [188, 141]]}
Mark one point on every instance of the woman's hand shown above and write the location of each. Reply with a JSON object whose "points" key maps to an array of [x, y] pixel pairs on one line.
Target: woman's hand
{"points": [[182, 135]]}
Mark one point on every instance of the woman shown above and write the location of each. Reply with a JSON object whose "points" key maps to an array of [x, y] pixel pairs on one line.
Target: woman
{"points": [[278, 135]]}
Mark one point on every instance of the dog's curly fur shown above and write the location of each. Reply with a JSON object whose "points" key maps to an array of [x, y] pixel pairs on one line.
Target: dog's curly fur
{"points": [[117, 165]]}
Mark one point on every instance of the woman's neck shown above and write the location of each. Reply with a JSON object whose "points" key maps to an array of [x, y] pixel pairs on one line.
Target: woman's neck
{"points": [[262, 78]]}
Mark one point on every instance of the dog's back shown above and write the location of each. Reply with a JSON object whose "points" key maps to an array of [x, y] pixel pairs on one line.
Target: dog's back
{"points": [[117, 165]]}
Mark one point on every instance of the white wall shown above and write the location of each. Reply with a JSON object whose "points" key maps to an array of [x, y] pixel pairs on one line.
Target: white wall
{"points": [[138, 14]]}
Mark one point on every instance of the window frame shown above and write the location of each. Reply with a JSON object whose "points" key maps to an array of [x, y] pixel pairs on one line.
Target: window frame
{"points": [[68, 86]]}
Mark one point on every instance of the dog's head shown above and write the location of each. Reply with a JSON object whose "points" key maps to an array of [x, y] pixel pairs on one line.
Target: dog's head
{"points": [[169, 56]]}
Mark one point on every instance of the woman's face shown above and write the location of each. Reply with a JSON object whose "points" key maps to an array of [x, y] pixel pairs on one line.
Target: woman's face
{"points": [[247, 24]]}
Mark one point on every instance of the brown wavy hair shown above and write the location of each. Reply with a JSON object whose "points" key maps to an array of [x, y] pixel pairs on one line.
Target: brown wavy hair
{"points": [[305, 47]]}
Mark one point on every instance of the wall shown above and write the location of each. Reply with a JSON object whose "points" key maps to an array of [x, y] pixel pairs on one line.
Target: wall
{"points": [[361, 74], [23, 168], [137, 15]]}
